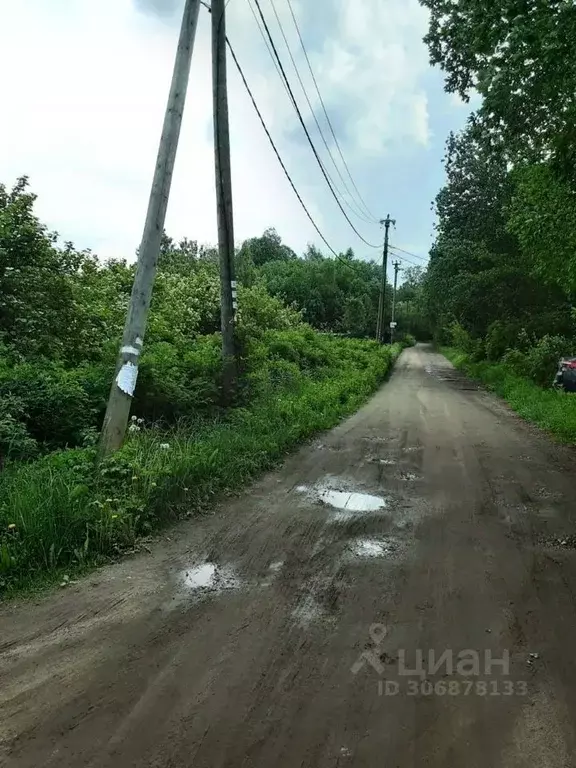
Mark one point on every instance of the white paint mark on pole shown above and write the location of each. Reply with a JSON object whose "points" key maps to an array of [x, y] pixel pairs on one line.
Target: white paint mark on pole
{"points": [[126, 378], [233, 283], [130, 350]]}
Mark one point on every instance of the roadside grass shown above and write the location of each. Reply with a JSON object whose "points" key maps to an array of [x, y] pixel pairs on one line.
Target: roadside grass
{"points": [[551, 410], [63, 514]]}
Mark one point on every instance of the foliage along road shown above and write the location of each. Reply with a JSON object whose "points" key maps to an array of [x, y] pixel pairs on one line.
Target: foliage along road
{"points": [[285, 629]]}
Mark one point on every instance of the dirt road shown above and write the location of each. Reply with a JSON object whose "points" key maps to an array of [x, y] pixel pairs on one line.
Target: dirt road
{"points": [[280, 632]]}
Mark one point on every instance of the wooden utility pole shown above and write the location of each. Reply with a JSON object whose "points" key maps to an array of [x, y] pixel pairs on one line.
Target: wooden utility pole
{"points": [[224, 200], [396, 266], [381, 327], [120, 400]]}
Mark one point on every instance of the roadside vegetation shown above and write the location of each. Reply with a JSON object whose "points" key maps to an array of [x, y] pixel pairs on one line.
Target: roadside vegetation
{"points": [[307, 359], [501, 282]]}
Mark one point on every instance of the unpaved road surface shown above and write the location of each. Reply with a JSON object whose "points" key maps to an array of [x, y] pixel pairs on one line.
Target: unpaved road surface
{"points": [[280, 632]]}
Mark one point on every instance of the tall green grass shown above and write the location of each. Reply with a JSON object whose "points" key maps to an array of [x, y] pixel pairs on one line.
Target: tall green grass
{"points": [[551, 410], [62, 512]]}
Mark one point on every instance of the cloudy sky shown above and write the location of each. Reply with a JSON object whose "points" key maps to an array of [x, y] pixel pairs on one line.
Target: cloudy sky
{"points": [[84, 105]]}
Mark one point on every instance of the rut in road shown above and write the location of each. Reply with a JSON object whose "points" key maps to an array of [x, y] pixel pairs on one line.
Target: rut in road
{"points": [[274, 632]]}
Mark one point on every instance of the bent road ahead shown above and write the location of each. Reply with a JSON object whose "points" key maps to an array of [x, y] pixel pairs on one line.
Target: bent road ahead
{"points": [[278, 633]]}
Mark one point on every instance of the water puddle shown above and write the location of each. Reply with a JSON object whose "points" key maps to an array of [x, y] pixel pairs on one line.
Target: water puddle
{"points": [[352, 502], [348, 504], [209, 577], [275, 567]]}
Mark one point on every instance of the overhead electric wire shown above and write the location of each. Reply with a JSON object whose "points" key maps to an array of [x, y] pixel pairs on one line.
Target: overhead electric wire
{"points": [[408, 253], [369, 213], [267, 44], [371, 245], [357, 211], [277, 153]]}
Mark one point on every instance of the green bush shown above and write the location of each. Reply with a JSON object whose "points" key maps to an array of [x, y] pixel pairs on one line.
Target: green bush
{"points": [[408, 340], [517, 362], [461, 339], [501, 336], [56, 410], [15, 442], [542, 359]]}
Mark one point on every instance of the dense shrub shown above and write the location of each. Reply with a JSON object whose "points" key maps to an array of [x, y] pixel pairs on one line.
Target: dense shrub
{"points": [[542, 358], [462, 339], [516, 361], [501, 336], [15, 441], [55, 408]]}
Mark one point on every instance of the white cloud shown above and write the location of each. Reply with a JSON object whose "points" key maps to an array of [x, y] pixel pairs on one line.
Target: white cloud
{"points": [[375, 64], [83, 115]]}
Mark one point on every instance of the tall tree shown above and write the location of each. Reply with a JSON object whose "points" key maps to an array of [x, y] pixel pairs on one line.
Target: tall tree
{"points": [[520, 56]]}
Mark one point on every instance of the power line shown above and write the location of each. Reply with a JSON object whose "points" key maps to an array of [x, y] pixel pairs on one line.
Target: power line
{"points": [[279, 158], [409, 253], [371, 215], [406, 261], [306, 129], [267, 44], [358, 211], [271, 140]]}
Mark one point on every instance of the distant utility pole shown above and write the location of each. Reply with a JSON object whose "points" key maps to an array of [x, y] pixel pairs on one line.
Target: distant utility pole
{"points": [[224, 199], [396, 265], [120, 400], [381, 327]]}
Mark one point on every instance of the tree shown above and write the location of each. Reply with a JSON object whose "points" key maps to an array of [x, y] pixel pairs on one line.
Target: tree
{"points": [[268, 247], [471, 205], [542, 215], [37, 311], [520, 56]]}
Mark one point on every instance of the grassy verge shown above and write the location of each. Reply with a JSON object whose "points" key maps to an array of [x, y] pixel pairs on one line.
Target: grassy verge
{"points": [[551, 410], [62, 513]]}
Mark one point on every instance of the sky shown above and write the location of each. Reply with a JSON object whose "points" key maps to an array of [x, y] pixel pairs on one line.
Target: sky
{"points": [[85, 105]]}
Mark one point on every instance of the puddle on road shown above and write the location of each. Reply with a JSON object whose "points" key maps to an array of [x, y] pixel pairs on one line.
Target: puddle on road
{"points": [[348, 504], [346, 500], [209, 577], [352, 502]]}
